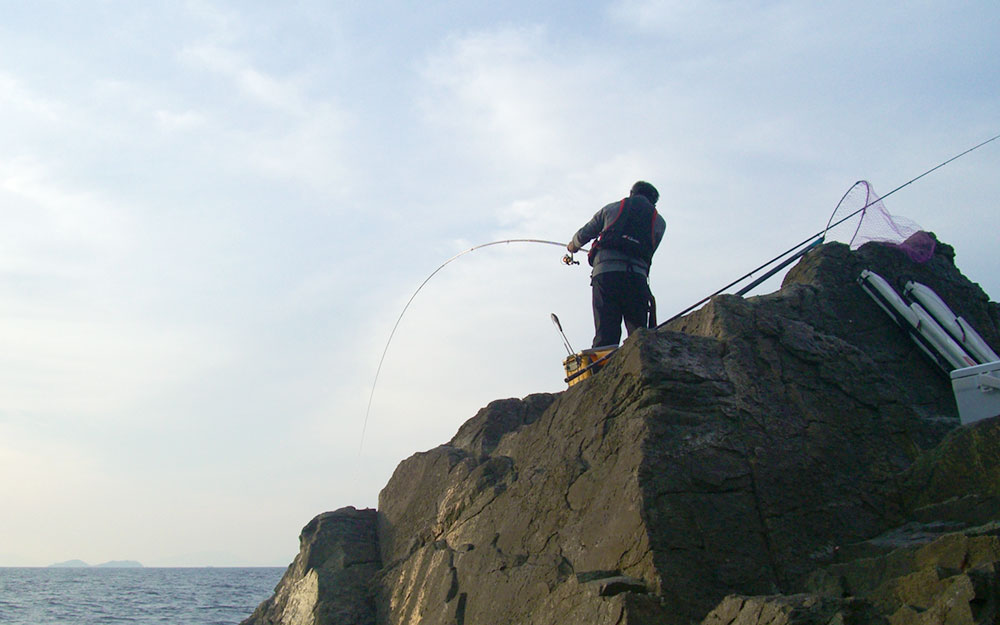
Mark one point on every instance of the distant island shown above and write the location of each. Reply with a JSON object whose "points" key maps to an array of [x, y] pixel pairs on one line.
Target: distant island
{"points": [[80, 564]]}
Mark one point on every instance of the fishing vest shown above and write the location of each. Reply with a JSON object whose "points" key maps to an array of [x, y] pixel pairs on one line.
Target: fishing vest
{"points": [[630, 232]]}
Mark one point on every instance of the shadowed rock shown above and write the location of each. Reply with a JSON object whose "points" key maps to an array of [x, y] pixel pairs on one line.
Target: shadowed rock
{"points": [[793, 610], [328, 580]]}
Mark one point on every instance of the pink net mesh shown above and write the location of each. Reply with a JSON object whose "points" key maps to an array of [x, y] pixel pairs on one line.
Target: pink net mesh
{"points": [[879, 225]]}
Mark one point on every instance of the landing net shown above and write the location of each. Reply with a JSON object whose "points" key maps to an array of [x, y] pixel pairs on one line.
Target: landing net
{"points": [[880, 226]]}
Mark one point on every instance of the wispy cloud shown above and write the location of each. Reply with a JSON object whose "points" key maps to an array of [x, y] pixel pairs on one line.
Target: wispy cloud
{"points": [[18, 98], [300, 137], [729, 25], [180, 121], [281, 95], [68, 231], [505, 96]]}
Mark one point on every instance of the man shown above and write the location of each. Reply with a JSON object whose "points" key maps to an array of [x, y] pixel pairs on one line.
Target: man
{"points": [[628, 233]]}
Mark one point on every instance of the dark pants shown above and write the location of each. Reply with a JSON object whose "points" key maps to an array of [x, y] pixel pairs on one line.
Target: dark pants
{"points": [[617, 296]]}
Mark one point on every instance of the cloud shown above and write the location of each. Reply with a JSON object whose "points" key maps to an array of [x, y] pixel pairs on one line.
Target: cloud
{"points": [[55, 229], [507, 97], [223, 24], [734, 29], [105, 369], [299, 138], [281, 95], [46, 479], [554, 132], [66, 491], [716, 18], [79, 304], [14, 95], [182, 121]]}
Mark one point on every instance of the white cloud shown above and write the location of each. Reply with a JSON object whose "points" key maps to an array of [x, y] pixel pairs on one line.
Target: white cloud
{"points": [[312, 151], [68, 232], [728, 24], [15, 96], [105, 370], [510, 98], [73, 502], [184, 120], [275, 93], [301, 138], [223, 24], [685, 18], [76, 297], [46, 480]]}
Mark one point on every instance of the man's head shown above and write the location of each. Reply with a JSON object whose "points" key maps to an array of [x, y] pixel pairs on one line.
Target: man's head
{"points": [[646, 190]]}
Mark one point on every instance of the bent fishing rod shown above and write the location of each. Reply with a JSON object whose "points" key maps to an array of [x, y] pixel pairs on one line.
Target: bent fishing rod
{"points": [[813, 241], [568, 260]]}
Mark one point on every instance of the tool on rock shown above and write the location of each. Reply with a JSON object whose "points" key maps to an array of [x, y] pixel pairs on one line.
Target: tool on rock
{"points": [[566, 344]]}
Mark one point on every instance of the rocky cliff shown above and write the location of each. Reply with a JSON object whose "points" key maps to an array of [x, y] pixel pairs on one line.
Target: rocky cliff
{"points": [[785, 458]]}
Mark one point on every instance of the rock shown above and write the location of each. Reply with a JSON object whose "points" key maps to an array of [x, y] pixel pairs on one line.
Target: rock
{"points": [[572, 602], [960, 479], [729, 452], [802, 609], [753, 449], [925, 571], [328, 580], [611, 586], [480, 434], [952, 579], [492, 540]]}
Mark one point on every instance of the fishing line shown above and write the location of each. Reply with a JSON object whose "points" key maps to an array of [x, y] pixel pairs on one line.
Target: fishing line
{"points": [[400, 318], [818, 238], [813, 241]]}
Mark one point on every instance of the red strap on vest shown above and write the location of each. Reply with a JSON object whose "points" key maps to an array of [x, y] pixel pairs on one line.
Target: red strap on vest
{"points": [[621, 209]]}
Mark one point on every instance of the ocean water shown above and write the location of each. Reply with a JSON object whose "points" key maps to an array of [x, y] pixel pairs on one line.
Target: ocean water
{"points": [[105, 596]]}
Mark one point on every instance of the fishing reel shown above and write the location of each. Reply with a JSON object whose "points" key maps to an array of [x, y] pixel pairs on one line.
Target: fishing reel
{"points": [[569, 260]]}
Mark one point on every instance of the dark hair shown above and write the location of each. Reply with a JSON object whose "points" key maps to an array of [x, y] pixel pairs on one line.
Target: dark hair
{"points": [[647, 190]]}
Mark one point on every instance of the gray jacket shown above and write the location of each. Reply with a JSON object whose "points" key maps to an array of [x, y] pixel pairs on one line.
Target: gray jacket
{"points": [[614, 260]]}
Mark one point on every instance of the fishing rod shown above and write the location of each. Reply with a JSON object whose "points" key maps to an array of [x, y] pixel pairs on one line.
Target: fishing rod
{"points": [[812, 242], [568, 260], [818, 238]]}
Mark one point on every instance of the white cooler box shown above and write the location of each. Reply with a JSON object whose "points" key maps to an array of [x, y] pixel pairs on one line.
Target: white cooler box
{"points": [[977, 391]]}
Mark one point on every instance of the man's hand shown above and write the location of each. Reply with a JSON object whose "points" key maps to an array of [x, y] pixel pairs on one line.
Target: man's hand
{"points": [[573, 249]]}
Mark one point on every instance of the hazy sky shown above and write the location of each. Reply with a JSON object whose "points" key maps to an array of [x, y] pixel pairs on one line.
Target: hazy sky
{"points": [[212, 213]]}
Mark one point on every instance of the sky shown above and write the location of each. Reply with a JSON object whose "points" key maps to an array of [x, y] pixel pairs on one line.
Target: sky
{"points": [[213, 213]]}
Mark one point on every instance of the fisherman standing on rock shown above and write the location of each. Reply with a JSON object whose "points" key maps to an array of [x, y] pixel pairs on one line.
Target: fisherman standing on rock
{"points": [[627, 232]]}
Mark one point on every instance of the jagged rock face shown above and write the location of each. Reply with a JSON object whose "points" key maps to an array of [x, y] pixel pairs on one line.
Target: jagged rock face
{"points": [[940, 566], [953, 579], [856, 320], [328, 580], [959, 481], [732, 452], [492, 538]]}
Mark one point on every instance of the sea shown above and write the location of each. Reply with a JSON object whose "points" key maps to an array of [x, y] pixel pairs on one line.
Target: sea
{"points": [[137, 596]]}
